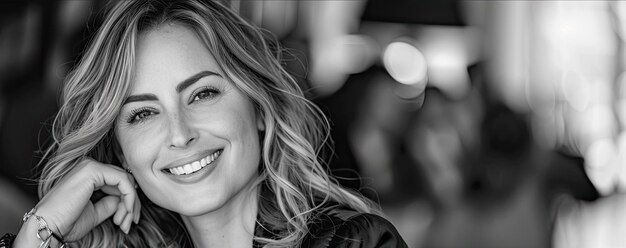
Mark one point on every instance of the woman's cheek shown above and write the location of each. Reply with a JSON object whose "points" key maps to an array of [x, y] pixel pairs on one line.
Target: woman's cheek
{"points": [[141, 145]]}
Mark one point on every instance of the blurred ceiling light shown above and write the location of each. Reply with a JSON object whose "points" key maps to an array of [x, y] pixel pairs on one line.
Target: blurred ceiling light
{"points": [[327, 23], [572, 55], [505, 36], [405, 63], [448, 51], [576, 28], [448, 72]]}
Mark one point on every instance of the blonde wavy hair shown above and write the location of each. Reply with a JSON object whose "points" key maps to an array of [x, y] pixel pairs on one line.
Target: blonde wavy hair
{"points": [[291, 174]]}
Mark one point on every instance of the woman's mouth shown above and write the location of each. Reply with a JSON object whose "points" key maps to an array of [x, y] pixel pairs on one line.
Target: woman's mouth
{"points": [[195, 166]]}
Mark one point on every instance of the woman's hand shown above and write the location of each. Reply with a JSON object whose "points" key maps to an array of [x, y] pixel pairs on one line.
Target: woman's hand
{"points": [[68, 210]]}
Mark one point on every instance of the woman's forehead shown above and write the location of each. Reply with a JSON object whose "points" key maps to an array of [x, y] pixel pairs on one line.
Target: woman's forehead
{"points": [[170, 53]]}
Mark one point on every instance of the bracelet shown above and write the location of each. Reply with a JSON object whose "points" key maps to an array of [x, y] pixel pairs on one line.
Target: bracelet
{"points": [[42, 228], [7, 240]]}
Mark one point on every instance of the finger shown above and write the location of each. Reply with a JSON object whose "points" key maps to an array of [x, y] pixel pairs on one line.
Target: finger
{"points": [[105, 207], [111, 190], [137, 211], [119, 168], [125, 226], [120, 213], [124, 185], [131, 178]]}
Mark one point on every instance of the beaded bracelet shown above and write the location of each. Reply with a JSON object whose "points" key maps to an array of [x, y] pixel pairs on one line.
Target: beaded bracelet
{"points": [[42, 228], [7, 240]]}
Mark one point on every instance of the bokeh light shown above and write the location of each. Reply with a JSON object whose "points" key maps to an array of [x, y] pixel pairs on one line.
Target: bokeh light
{"points": [[405, 63]]}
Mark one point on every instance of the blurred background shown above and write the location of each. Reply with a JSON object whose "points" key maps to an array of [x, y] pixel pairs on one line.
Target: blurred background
{"points": [[473, 123]]}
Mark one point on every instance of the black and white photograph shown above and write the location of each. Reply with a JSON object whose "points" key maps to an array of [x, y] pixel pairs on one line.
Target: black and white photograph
{"points": [[313, 123]]}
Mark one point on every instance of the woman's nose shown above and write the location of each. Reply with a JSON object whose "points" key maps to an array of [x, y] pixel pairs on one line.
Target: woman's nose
{"points": [[181, 133]]}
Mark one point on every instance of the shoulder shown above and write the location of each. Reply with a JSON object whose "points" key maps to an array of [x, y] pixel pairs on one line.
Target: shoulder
{"points": [[348, 228]]}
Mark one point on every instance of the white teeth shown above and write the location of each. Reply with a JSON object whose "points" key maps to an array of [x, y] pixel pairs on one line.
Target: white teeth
{"points": [[188, 169], [195, 166]]}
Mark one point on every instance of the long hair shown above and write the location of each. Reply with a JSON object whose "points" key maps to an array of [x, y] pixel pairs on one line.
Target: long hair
{"points": [[292, 172]]}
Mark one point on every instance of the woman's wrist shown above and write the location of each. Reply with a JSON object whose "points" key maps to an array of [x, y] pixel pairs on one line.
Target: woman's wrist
{"points": [[47, 226], [27, 236], [37, 232]]}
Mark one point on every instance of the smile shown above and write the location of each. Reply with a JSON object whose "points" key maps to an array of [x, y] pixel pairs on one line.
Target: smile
{"points": [[196, 165]]}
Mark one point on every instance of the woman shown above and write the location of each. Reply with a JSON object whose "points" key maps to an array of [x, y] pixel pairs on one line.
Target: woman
{"points": [[179, 127]]}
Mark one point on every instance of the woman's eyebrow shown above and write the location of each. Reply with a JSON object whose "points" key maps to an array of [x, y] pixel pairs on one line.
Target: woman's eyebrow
{"points": [[142, 97], [180, 87], [191, 80]]}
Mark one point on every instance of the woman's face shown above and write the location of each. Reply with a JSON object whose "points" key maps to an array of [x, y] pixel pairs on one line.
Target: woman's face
{"points": [[187, 133]]}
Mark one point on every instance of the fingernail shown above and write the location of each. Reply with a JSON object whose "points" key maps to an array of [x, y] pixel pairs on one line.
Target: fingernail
{"points": [[126, 223], [117, 222]]}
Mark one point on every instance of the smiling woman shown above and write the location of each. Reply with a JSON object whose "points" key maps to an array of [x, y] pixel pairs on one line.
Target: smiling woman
{"points": [[189, 113], [180, 119]]}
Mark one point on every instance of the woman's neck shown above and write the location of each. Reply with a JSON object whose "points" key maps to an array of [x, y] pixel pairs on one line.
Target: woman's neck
{"points": [[230, 226]]}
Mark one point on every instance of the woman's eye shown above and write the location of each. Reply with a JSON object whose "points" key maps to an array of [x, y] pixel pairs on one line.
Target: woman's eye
{"points": [[204, 94], [140, 115]]}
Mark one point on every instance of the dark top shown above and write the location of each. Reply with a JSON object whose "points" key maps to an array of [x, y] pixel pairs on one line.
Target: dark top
{"points": [[343, 228], [337, 228]]}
